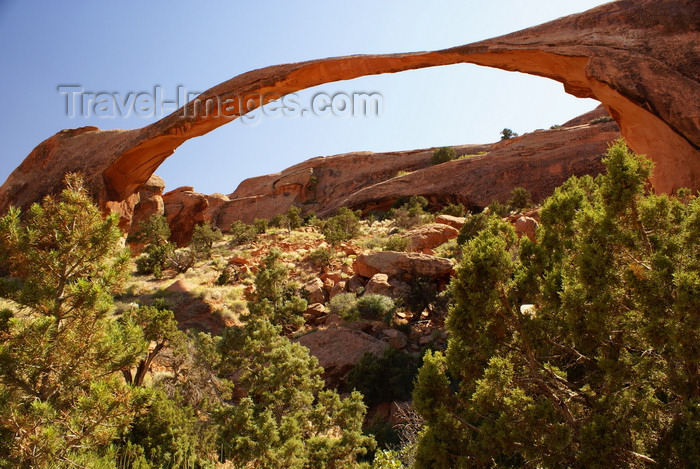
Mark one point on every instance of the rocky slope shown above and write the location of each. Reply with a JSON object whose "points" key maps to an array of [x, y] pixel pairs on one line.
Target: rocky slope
{"points": [[639, 58], [538, 161]]}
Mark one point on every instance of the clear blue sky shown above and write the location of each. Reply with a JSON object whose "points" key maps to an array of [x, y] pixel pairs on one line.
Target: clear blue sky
{"points": [[130, 46]]}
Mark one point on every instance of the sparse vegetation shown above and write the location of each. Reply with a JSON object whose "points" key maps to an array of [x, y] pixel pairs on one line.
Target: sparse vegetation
{"points": [[507, 133], [443, 155]]}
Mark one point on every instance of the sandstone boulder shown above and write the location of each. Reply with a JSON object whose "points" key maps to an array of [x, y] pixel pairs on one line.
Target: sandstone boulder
{"points": [[427, 237], [315, 290], [382, 284], [526, 226], [403, 265], [454, 222], [339, 349]]}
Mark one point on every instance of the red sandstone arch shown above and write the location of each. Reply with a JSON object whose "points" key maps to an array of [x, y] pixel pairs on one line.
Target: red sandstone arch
{"points": [[639, 58]]}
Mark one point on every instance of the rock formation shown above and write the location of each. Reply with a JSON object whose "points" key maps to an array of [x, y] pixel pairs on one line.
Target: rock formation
{"points": [[638, 57]]}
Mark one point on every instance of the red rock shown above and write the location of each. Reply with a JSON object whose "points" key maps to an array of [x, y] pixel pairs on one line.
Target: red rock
{"points": [[338, 350], [526, 226], [315, 289], [454, 222], [355, 283], [238, 260], [400, 264], [179, 286], [150, 201], [184, 210], [338, 288], [432, 235], [638, 58], [381, 284]]}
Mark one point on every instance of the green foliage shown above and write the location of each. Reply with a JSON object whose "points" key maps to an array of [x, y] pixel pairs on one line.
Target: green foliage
{"points": [[507, 133], [345, 306], [603, 372], [410, 213], [376, 307], [260, 225], [342, 227], [474, 224], [297, 424], [167, 433], [61, 356], [278, 220], [321, 257], [155, 259], [154, 233], [203, 239], [497, 208], [153, 230], [275, 299], [456, 210], [397, 243], [293, 218], [241, 233], [443, 155], [599, 120], [520, 198], [384, 379]]}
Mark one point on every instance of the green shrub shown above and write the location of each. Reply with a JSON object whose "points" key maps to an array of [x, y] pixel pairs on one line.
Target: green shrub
{"points": [[443, 155], [456, 210], [520, 198], [386, 378], [293, 218], [321, 257], [203, 239], [342, 227], [599, 120], [241, 233], [376, 307], [260, 225], [278, 221], [507, 133], [498, 208], [345, 306], [397, 243], [410, 213]]}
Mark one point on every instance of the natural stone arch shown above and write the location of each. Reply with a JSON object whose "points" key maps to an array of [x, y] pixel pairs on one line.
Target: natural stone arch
{"points": [[639, 58]]}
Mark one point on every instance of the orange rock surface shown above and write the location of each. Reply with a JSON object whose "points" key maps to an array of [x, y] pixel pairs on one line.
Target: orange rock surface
{"points": [[639, 58]]}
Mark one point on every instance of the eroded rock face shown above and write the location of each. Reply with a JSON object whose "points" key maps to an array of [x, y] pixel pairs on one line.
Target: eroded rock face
{"points": [[427, 237], [339, 349], [402, 265], [184, 209], [539, 161], [638, 57]]}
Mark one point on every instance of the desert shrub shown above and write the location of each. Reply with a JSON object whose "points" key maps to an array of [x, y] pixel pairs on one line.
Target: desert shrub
{"points": [[520, 198], [260, 225], [443, 155], [293, 218], [384, 379], [342, 227], [155, 259], [397, 243], [181, 260], [599, 120], [376, 307], [278, 221], [345, 306], [241, 233], [456, 210], [410, 213], [321, 257], [497, 208], [203, 239], [507, 133]]}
